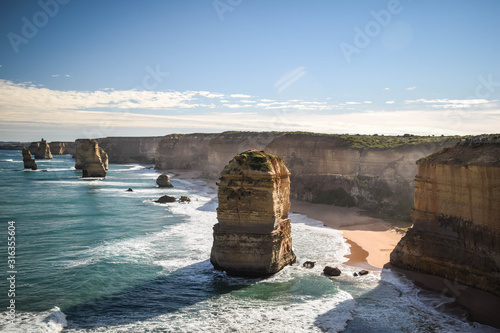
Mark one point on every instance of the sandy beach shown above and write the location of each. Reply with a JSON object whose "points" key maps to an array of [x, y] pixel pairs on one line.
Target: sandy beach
{"points": [[371, 239]]}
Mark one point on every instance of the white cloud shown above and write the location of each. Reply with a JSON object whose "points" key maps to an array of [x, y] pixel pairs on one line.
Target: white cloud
{"points": [[387, 89], [367, 102], [240, 96], [352, 103], [208, 94], [55, 75], [453, 103], [411, 88], [67, 75], [390, 102]]}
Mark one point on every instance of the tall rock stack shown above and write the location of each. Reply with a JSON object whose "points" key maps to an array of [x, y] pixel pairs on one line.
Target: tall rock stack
{"points": [[456, 230], [41, 150], [91, 159], [29, 162], [253, 237]]}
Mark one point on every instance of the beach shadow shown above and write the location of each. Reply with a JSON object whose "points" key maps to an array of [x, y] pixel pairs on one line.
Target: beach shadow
{"points": [[166, 294], [397, 306]]}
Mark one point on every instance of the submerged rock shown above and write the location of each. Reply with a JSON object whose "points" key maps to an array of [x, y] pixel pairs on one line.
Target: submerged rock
{"points": [[252, 237], [309, 264], [29, 162], [165, 199], [163, 181], [331, 271], [91, 159]]}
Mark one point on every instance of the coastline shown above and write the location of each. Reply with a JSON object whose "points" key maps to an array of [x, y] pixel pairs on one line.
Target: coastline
{"points": [[371, 241]]}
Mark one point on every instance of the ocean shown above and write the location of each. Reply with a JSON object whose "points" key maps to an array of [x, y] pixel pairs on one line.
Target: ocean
{"points": [[92, 257]]}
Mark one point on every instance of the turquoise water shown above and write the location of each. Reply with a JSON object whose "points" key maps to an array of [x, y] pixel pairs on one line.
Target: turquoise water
{"points": [[91, 256]]}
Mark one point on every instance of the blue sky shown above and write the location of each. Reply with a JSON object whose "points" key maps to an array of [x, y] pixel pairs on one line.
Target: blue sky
{"points": [[73, 69]]}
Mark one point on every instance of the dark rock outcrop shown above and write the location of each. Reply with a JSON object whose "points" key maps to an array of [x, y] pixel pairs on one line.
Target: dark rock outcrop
{"points": [[29, 162], [92, 159], [163, 181], [253, 237], [165, 199], [309, 264], [456, 230], [331, 271], [184, 198]]}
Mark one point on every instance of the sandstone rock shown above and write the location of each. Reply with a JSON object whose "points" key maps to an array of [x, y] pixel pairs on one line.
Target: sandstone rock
{"points": [[163, 181], [331, 271], [309, 264], [184, 199], [165, 199], [456, 219], [29, 162], [91, 159], [252, 237], [62, 148], [41, 150]]}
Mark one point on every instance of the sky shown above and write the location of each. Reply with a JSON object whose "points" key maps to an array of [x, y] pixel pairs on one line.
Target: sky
{"points": [[86, 69]]}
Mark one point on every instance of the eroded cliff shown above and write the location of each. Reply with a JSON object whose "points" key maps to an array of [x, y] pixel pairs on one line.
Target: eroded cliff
{"points": [[41, 150], [130, 149], [62, 148], [253, 237], [369, 171], [456, 231], [91, 158]]}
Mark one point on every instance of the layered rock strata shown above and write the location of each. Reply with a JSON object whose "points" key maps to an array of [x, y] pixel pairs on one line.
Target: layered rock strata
{"points": [[130, 149], [41, 150], [29, 162], [92, 159], [456, 231], [373, 172], [253, 237]]}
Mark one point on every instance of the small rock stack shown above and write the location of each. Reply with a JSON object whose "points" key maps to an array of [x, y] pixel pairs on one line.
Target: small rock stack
{"points": [[29, 162], [253, 237]]}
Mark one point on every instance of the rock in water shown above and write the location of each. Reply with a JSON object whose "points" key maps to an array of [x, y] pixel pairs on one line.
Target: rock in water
{"points": [[165, 199], [184, 199], [331, 271], [163, 181], [252, 237], [309, 264], [41, 149], [456, 219], [91, 159], [29, 162]]}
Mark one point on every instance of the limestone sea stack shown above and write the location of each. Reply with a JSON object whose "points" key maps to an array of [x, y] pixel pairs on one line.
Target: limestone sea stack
{"points": [[41, 150], [253, 237], [456, 219], [91, 159], [29, 162]]}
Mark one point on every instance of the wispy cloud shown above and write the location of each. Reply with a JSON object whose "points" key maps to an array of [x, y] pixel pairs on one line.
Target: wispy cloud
{"points": [[55, 75], [390, 102], [452, 103], [240, 96], [411, 88], [386, 89]]}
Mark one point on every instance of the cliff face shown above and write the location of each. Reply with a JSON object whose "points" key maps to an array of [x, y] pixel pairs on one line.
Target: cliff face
{"points": [[62, 148], [456, 231], [206, 152], [130, 149], [373, 178], [252, 237]]}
